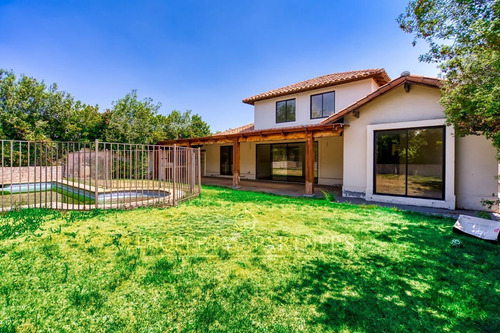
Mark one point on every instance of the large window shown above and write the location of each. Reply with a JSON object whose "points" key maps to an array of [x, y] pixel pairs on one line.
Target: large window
{"points": [[322, 105], [285, 111], [226, 160], [410, 162], [284, 161]]}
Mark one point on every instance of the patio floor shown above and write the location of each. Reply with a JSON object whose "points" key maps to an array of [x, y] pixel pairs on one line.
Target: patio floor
{"points": [[282, 188], [297, 190]]}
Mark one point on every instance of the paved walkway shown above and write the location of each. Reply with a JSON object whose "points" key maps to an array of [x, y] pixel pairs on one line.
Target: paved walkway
{"points": [[297, 190]]}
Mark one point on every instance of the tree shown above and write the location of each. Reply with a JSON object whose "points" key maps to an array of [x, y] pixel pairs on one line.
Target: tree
{"points": [[184, 125], [464, 38], [31, 110], [134, 121]]}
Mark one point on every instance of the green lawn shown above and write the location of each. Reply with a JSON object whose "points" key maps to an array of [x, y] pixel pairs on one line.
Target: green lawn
{"points": [[239, 262]]}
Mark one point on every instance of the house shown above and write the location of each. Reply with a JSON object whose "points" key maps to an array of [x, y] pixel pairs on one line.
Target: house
{"points": [[382, 140]]}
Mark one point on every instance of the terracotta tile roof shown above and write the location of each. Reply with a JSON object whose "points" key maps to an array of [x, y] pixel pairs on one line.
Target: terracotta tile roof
{"points": [[379, 75], [241, 129], [415, 79]]}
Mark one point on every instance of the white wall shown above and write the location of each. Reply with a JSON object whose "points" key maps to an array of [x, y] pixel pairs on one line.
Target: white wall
{"points": [[212, 159], [247, 160], [476, 167], [473, 157], [331, 160], [396, 106], [345, 94]]}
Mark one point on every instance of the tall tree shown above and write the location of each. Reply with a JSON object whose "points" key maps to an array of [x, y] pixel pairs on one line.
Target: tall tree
{"points": [[32, 110], [184, 125], [464, 38], [134, 121]]}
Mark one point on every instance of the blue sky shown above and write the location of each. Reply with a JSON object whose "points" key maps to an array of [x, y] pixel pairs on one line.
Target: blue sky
{"points": [[204, 56]]}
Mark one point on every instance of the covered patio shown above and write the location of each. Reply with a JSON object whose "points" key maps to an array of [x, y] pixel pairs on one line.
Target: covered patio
{"points": [[307, 134]]}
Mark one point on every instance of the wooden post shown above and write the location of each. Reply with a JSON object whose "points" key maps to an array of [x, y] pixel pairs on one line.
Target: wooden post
{"points": [[309, 164], [199, 171], [236, 163]]}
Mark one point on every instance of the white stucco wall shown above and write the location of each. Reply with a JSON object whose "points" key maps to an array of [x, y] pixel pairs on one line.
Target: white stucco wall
{"points": [[396, 106], [331, 160], [247, 162], [476, 167], [473, 159], [345, 94], [212, 160]]}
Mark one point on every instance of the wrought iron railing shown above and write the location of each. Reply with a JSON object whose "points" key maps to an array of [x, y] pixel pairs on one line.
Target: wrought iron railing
{"points": [[82, 176]]}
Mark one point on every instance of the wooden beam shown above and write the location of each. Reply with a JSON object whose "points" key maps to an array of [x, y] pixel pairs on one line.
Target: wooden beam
{"points": [[236, 164], [277, 135], [309, 164]]}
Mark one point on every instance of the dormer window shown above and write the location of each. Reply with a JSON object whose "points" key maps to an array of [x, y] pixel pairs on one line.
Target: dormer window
{"points": [[285, 111], [322, 105]]}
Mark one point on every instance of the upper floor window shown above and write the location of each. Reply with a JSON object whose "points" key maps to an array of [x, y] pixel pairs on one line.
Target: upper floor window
{"points": [[322, 105], [285, 111]]}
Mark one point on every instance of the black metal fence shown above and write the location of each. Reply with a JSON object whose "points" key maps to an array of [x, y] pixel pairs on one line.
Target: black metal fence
{"points": [[81, 176]]}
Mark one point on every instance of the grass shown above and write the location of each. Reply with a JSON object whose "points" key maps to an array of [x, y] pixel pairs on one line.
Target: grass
{"points": [[234, 261]]}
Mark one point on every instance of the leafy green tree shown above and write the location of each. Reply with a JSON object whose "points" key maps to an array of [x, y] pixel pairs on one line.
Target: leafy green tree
{"points": [[134, 121], [31, 110], [184, 125], [464, 38]]}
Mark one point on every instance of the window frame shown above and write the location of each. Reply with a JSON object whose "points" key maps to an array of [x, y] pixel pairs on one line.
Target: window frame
{"points": [[286, 112], [322, 102], [374, 174]]}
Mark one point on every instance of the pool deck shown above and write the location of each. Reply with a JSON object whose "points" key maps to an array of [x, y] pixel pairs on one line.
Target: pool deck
{"points": [[297, 190]]}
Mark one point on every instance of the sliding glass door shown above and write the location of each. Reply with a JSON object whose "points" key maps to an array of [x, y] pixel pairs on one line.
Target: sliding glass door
{"points": [[410, 162], [283, 162]]}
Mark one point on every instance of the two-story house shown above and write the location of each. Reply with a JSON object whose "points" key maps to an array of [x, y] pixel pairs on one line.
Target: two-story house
{"points": [[380, 139]]}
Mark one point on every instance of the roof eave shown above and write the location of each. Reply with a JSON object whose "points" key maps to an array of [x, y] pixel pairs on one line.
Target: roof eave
{"points": [[270, 131], [420, 80]]}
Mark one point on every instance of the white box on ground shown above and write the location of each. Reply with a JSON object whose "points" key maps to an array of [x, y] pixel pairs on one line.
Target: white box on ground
{"points": [[477, 227]]}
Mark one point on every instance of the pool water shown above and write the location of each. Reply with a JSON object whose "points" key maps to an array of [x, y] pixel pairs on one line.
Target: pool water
{"points": [[82, 194]]}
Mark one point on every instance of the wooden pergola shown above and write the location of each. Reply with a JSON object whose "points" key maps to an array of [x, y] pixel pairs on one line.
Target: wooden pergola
{"points": [[306, 133]]}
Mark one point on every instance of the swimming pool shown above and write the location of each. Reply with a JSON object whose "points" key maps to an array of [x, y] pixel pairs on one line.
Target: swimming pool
{"points": [[117, 195]]}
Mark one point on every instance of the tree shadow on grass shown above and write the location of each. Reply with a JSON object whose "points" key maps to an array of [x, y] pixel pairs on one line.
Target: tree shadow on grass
{"points": [[430, 287]]}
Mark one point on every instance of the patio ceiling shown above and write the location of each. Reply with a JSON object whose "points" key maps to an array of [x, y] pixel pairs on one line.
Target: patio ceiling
{"points": [[274, 134]]}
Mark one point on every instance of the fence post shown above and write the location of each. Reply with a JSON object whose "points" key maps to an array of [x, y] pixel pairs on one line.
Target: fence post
{"points": [[96, 182], [199, 170], [192, 168], [174, 169]]}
